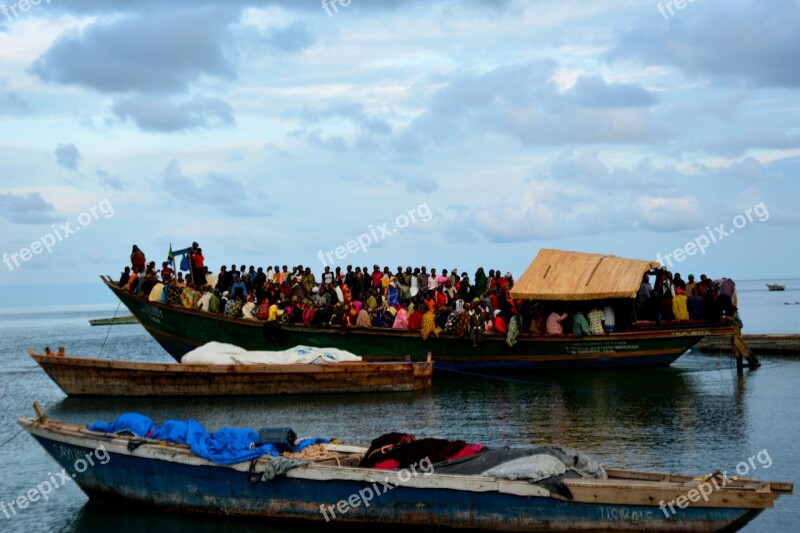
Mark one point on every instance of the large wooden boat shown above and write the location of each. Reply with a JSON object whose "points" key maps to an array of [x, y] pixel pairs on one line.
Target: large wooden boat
{"points": [[143, 472], [553, 275], [776, 287], [83, 376]]}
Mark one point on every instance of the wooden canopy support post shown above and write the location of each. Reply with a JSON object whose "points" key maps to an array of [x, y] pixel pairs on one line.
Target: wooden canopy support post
{"points": [[742, 351]]}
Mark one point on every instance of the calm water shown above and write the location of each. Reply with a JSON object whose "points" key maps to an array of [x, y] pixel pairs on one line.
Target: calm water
{"points": [[696, 416]]}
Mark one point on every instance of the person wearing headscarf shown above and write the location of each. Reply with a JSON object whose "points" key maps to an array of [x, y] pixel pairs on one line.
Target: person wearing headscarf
{"points": [[429, 324], [401, 319], [138, 260], [499, 323], [363, 320], [481, 282]]}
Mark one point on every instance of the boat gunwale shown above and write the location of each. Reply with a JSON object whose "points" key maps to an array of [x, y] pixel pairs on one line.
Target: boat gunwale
{"points": [[53, 361]]}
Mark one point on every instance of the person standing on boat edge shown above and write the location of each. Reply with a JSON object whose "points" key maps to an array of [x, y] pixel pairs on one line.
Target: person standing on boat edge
{"points": [[138, 260]]}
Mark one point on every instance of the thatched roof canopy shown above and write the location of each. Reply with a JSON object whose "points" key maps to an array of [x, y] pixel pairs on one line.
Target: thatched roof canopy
{"points": [[571, 276]]}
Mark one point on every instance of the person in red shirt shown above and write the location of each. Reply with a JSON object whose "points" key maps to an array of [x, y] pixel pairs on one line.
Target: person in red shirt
{"points": [[441, 297], [500, 323], [198, 270], [166, 272], [377, 276]]}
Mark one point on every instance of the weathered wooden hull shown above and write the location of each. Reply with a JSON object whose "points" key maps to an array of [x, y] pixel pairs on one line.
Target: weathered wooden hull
{"points": [[180, 330], [78, 376], [174, 479]]}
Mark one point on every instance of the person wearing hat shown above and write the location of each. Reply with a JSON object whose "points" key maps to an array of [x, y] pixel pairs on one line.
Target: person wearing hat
{"points": [[679, 305]]}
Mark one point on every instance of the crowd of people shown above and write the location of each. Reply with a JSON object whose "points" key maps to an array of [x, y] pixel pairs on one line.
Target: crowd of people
{"points": [[415, 299], [672, 298]]}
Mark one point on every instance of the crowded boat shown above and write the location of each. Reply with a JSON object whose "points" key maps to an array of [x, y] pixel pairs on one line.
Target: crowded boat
{"points": [[432, 302]]}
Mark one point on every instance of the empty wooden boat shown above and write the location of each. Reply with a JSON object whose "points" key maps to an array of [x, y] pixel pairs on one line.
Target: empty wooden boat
{"points": [[331, 487], [83, 376], [776, 287]]}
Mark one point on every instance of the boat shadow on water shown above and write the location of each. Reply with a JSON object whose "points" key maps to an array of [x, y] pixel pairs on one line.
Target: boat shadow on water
{"points": [[97, 515]]}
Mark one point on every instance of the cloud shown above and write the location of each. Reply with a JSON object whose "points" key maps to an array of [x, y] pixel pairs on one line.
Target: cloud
{"points": [[112, 181], [217, 190], [29, 208], [524, 102], [588, 169], [755, 42], [12, 103], [68, 156], [165, 115], [152, 52], [593, 91], [412, 183], [292, 38], [668, 214]]}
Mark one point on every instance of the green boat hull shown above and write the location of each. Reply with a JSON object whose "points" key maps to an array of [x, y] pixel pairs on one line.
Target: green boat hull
{"points": [[180, 330]]}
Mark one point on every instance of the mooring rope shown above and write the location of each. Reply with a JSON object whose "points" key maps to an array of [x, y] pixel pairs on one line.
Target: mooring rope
{"points": [[103, 347]]}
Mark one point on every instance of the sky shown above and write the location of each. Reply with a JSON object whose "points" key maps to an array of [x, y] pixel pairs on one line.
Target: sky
{"points": [[401, 133]]}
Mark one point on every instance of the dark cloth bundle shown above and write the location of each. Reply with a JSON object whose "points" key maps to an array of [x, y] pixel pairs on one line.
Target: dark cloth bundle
{"points": [[405, 450]]}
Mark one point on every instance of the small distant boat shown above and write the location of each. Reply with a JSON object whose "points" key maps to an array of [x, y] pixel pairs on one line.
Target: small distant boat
{"points": [[332, 488], [776, 287], [120, 320], [83, 376]]}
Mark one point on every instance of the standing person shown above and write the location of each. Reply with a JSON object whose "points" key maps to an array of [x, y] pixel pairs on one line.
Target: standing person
{"points": [[138, 260], [327, 276], [690, 286], [679, 305], [198, 268], [476, 325], [727, 298], [166, 273], [481, 283], [643, 294]]}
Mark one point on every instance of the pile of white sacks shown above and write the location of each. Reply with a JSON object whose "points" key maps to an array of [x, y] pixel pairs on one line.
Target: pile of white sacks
{"points": [[217, 353]]}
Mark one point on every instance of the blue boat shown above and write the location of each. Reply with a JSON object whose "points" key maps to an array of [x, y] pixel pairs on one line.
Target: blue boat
{"points": [[335, 489]]}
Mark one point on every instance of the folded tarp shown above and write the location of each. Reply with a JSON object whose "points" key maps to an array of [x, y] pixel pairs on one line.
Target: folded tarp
{"points": [[226, 446], [217, 353]]}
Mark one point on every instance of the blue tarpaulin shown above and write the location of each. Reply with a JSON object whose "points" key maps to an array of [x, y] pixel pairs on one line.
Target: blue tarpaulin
{"points": [[226, 446]]}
